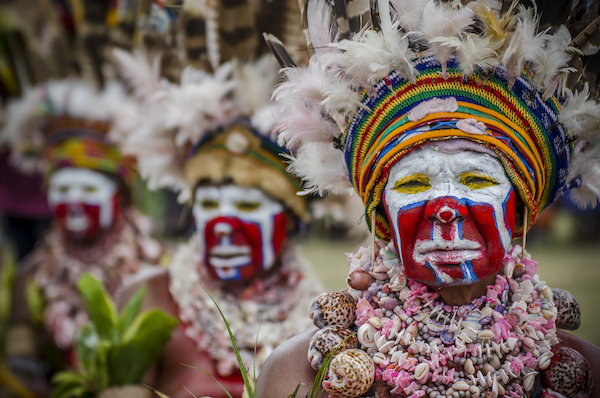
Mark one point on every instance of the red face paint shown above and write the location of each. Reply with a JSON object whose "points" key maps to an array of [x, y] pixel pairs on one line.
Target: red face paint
{"points": [[450, 242], [452, 215], [80, 221], [235, 248]]}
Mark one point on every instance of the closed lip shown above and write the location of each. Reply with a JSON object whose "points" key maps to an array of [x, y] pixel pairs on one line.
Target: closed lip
{"points": [[447, 252]]}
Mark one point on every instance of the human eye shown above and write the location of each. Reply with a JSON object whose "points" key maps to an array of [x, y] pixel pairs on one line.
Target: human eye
{"points": [[247, 205], [412, 184], [208, 204], [477, 180], [63, 188], [90, 189]]}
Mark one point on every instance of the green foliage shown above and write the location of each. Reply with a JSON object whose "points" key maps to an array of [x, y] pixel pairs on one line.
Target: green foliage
{"points": [[113, 349], [35, 302], [7, 276]]}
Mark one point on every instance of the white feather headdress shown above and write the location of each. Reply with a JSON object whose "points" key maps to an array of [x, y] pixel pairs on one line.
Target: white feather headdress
{"points": [[71, 98], [177, 116], [320, 100]]}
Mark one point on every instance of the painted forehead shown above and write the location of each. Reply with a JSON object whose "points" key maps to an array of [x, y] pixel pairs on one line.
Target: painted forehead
{"points": [[76, 176], [437, 162], [232, 191]]}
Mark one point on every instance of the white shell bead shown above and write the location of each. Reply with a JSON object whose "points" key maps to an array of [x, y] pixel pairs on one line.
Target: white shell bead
{"points": [[486, 334], [379, 358], [387, 347], [460, 386], [366, 335], [544, 360], [469, 368], [376, 322], [529, 381], [421, 371]]}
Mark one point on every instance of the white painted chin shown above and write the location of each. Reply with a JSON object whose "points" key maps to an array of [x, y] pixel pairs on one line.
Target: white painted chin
{"points": [[77, 222]]}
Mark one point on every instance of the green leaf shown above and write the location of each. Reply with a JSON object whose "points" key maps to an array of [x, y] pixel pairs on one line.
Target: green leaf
{"points": [[295, 393], [68, 377], [92, 355], [99, 306], [132, 308], [142, 344], [69, 390], [247, 383], [35, 302], [212, 377]]}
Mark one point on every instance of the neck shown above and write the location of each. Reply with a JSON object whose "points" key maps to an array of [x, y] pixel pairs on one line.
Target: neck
{"points": [[461, 295]]}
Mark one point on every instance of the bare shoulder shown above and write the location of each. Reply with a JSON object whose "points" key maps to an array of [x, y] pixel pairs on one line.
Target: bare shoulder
{"points": [[287, 367], [156, 281]]}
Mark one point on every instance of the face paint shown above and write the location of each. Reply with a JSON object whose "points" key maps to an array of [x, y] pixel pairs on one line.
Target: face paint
{"points": [[452, 215], [85, 202], [241, 230]]}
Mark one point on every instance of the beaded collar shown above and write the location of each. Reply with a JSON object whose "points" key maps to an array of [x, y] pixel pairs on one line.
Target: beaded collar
{"points": [[58, 264], [263, 314], [497, 343]]}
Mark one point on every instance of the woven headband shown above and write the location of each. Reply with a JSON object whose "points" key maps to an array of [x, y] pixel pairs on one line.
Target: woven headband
{"points": [[519, 126]]}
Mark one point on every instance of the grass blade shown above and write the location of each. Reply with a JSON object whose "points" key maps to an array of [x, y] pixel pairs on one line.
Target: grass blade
{"points": [[211, 376]]}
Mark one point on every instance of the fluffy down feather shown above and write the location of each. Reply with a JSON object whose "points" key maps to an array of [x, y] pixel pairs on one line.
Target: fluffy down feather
{"points": [[581, 115], [408, 13], [585, 167], [322, 168], [305, 125], [303, 84], [472, 51], [139, 70], [364, 59], [447, 20], [553, 60], [524, 44]]}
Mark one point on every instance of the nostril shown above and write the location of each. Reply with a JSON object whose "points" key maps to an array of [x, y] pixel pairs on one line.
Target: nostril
{"points": [[446, 214]]}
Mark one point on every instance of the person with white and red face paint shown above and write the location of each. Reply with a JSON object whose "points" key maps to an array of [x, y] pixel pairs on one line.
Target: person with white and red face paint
{"points": [[246, 212], [95, 228], [454, 147]]}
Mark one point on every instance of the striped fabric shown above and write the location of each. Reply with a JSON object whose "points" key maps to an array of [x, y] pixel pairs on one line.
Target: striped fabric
{"points": [[520, 127]]}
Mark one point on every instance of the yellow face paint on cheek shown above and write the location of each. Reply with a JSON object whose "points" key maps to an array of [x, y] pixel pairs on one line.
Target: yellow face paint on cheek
{"points": [[412, 184], [474, 180]]}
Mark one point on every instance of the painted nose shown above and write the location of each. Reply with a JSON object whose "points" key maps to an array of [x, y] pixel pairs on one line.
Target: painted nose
{"points": [[223, 229], [444, 210]]}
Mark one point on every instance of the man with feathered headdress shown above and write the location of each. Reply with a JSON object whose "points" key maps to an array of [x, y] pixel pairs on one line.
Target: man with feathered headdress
{"points": [[454, 125], [210, 138]]}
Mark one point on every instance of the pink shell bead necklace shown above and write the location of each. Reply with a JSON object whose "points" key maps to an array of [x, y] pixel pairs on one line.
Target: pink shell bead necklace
{"points": [[494, 346]]}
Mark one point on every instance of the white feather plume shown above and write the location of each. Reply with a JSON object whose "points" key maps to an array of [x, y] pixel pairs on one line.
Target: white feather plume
{"points": [[472, 51], [554, 59], [322, 167], [524, 44], [581, 115], [320, 30], [585, 166], [302, 84], [408, 13], [304, 125], [446, 20], [140, 71]]}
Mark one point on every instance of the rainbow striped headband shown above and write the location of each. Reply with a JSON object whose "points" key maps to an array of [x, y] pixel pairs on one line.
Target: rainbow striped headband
{"points": [[81, 143], [519, 126]]}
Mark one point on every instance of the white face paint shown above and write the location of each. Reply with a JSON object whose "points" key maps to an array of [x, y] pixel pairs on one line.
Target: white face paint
{"points": [[77, 189], [240, 230], [452, 214]]}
